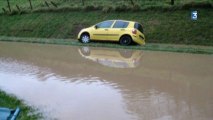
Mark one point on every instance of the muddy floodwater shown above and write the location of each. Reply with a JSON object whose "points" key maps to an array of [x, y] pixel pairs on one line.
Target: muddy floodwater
{"points": [[83, 83]]}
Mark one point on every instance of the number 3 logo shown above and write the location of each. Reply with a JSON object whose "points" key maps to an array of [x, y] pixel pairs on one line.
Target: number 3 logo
{"points": [[194, 15]]}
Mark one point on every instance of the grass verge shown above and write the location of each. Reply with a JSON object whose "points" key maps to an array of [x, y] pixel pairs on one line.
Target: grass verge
{"points": [[100, 5], [150, 46], [26, 113]]}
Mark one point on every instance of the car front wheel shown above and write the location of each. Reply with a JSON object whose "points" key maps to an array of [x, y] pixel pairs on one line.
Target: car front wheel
{"points": [[125, 40], [85, 38]]}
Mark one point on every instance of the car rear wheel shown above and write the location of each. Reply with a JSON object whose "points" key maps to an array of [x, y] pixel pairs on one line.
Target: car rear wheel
{"points": [[125, 40], [85, 38]]}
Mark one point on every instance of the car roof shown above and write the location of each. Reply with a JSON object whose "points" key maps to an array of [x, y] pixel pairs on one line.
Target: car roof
{"points": [[122, 20]]}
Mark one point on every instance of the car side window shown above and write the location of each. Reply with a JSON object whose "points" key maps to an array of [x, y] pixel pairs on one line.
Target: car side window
{"points": [[120, 24], [105, 24]]}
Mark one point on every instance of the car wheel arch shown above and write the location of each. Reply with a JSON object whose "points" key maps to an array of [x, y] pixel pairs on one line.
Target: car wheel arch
{"points": [[85, 32]]}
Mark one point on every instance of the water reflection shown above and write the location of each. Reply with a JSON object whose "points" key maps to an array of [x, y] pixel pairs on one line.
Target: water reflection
{"points": [[112, 57], [64, 85]]}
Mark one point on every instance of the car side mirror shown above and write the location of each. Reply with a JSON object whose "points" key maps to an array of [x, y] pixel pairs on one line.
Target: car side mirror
{"points": [[96, 26]]}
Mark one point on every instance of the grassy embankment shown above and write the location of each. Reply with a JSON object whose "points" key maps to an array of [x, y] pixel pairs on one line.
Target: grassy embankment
{"points": [[12, 102], [173, 27], [104, 5], [162, 22]]}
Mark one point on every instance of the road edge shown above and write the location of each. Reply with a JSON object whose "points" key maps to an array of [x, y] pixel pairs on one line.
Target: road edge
{"points": [[150, 46]]}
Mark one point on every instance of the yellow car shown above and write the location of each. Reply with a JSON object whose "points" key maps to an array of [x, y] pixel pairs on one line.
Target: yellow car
{"points": [[125, 32]]}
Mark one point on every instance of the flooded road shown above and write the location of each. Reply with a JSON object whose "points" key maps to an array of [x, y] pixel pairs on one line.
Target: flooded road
{"points": [[82, 83]]}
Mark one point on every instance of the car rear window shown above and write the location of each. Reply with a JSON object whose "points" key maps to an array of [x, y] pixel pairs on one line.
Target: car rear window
{"points": [[138, 27], [120, 24]]}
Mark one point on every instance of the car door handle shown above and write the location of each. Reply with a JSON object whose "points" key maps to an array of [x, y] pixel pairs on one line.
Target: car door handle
{"points": [[122, 29], [106, 29]]}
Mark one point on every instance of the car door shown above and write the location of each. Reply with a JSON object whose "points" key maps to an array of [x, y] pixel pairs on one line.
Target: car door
{"points": [[117, 30], [101, 30]]}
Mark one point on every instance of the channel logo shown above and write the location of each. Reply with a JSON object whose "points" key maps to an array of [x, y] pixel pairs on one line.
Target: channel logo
{"points": [[194, 15]]}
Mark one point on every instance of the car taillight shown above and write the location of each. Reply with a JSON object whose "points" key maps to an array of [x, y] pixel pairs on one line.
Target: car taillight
{"points": [[134, 31]]}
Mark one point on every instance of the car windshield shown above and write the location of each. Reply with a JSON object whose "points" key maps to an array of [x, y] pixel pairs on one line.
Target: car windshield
{"points": [[138, 27]]}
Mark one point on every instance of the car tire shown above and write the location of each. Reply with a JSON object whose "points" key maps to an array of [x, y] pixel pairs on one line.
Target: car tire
{"points": [[85, 38], [125, 40]]}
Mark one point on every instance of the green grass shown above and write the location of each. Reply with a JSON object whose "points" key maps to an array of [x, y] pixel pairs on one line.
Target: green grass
{"points": [[26, 113], [150, 46], [104, 5], [173, 27]]}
